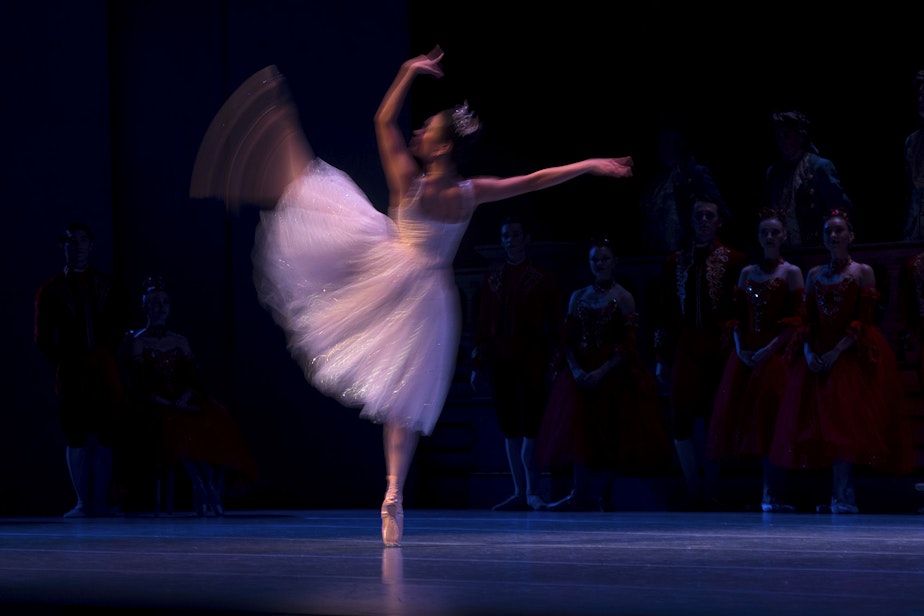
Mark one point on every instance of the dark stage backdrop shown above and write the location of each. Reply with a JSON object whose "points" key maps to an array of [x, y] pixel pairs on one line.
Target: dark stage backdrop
{"points": [[105, 103]]}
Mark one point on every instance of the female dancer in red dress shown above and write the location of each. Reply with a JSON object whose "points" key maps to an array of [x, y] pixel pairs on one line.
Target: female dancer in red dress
{"points": [[768, 299], [174, 421], [603, 412], [845, 403]]}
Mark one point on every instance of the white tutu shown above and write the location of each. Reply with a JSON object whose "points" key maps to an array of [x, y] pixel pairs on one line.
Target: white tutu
{"points": [[369, 305]]}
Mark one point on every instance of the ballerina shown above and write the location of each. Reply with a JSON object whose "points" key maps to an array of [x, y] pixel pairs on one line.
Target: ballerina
{"points": [[368, 301]]}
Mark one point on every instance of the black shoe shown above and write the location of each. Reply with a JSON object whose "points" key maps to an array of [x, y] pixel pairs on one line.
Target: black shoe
{"points": [[517, 502], [605, 504]]}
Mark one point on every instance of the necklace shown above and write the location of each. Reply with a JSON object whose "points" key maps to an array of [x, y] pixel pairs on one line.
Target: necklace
{"points": [[839, 264], [602, 286]]}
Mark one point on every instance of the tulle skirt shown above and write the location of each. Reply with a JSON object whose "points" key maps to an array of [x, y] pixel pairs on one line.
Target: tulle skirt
{"points": [[370, 321]]}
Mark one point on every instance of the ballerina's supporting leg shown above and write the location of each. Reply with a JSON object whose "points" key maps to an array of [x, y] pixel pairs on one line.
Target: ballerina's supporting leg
{"points": [[400, 444]]}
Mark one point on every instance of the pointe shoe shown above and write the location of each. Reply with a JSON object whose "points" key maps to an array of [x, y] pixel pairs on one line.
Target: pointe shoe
{"points": [[392, 522]]}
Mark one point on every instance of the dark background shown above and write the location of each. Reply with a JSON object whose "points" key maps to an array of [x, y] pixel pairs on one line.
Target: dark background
{"points": [[104, 104]]}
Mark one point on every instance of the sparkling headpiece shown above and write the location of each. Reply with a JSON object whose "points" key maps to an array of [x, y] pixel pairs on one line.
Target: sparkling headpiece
{"points": [[838, 213], [464, 122], [767, 213]]}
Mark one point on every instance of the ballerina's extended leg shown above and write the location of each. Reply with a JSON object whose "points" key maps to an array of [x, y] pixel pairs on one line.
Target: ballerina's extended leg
{"points": [[254, 146]]}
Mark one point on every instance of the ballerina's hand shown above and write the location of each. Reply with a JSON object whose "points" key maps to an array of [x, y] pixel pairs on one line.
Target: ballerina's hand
{"points": [[613, 167], [428, 64]]}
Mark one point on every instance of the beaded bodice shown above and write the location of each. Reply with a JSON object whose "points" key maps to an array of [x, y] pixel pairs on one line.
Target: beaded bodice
{"points": [[833, 309], [765, 307], [164, 373]]}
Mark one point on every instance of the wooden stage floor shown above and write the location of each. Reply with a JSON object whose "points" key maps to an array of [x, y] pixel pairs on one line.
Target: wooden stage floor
{"points": [[465, 562]]}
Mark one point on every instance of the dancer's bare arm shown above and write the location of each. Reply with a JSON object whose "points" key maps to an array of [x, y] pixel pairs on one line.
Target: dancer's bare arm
{"points": [[497, 189], [397, 162]]}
